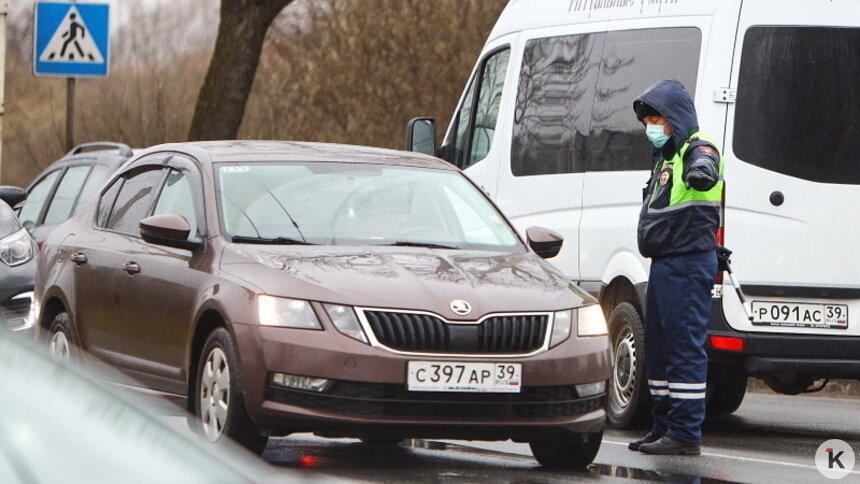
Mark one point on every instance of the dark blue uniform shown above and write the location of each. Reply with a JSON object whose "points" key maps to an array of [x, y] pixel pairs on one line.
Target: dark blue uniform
{"points": [[680, 216]]}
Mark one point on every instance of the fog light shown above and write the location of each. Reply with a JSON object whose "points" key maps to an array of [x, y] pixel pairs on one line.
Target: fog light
{"points": [[590, 389], [18, 312], [301, 382]]}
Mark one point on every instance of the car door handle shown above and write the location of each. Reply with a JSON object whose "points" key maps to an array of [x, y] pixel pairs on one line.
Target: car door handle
{"points": [[78, 258], [131, 267]]}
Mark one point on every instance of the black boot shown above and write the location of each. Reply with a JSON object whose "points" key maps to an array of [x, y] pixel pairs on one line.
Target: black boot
{"points": [[644, 440], [669, 446]]}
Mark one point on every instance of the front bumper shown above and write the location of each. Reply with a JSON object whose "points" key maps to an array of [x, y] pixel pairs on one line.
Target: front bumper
{"points": [[819, 356], [369, 396]]}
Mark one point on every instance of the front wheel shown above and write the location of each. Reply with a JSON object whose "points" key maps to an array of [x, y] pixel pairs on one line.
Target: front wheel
{"points": [[220, 405], [628, 393], [568, 451]]}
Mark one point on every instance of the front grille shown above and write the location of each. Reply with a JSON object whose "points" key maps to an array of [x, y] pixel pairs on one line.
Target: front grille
{"points": [[430, 334], [395, 401]]}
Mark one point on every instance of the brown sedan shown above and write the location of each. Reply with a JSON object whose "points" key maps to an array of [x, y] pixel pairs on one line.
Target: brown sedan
{"points": [[290, 287]]}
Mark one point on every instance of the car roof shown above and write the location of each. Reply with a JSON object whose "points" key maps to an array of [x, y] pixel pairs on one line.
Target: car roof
{"points": [[108, 156], [250, 151]]}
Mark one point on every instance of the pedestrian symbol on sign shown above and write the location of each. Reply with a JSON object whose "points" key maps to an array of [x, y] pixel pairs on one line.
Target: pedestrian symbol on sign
{"points": [[71, 42]]}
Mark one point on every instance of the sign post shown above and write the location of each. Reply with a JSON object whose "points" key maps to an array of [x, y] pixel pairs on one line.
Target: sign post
{"points": [[71, 40]]}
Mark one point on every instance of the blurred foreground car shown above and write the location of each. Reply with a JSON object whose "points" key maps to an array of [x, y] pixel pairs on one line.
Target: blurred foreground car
{"points": [[68, 184], [17, 267], [286, 287], [59, 426]]}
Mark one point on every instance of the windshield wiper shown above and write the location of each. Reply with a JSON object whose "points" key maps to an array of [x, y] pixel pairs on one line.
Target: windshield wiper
{"points": [[264, 240], [429, 245]]}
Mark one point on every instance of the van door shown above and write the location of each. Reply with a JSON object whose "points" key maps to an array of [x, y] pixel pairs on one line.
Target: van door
{"points": [[619, 155], [541, 181], [793, 174], [470, 143]]}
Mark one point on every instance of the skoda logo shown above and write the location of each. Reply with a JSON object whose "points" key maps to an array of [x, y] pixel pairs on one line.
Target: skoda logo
{"points": [[461, 307]]}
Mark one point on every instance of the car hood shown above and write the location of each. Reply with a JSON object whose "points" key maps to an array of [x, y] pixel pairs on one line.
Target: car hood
{"points": [[405, 278]]}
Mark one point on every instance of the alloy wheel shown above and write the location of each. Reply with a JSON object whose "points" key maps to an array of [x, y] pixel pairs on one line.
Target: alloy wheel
{"points": [[215, 394], [59, 347]]}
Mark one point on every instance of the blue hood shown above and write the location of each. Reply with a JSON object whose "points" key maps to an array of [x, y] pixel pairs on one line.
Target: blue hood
{"points": [[673, 102]]}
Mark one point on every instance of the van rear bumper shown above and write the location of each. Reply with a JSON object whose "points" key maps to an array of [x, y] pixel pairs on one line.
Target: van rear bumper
{"points": [[821, 356]]}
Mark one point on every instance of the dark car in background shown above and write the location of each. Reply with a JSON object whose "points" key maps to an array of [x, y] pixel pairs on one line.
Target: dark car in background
{"points": [[68, 184], [17, 267], [292, 287]]}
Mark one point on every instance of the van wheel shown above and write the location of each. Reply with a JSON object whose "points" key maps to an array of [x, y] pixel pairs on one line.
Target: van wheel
{"points": [[218, 390], [63, 341], [726, 393], [568, 451], [628, 393]]}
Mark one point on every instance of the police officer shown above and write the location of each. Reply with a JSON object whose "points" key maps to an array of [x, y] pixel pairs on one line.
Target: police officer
{"points": [[677, 230]]}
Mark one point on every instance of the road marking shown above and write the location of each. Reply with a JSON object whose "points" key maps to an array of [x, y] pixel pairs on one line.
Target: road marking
{"points": [[750, 459]]}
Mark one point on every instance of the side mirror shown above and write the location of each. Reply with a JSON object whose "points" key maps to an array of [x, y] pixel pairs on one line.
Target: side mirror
{"points": [[421, 136], [545, 242], [12, 195], [167, 229]]}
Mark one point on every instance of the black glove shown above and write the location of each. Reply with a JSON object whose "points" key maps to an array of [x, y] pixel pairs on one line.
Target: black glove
{"points": [[699, 180], [723, 255]]}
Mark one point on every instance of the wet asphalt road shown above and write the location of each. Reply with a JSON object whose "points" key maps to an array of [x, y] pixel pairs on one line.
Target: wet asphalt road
{"points": [[770, 439]]}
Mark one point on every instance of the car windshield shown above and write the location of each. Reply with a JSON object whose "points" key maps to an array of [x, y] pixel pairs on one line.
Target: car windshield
{"points": [[357, 204]]}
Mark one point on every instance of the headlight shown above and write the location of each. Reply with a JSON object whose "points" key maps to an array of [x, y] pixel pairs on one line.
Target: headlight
{"points": [[561, 322], [345, 321], [17, 248], [287, 313], [590, 321]]}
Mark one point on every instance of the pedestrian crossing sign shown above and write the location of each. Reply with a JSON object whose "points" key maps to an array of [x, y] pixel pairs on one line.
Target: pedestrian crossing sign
{"points": [[71, 39]]}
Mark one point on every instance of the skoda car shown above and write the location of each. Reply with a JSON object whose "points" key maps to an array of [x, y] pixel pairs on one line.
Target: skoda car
{"points": [[282, 287]]}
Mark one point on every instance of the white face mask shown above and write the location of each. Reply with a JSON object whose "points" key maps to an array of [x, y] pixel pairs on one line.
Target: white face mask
{"points": [[656, 135]]}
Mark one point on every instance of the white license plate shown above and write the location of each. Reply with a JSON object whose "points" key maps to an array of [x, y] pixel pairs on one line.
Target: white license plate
{"points": [[800, 315], [444, 376]]}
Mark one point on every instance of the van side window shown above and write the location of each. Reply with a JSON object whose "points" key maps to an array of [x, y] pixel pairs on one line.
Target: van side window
{"points": [[797, 105], [632, 61], [552, 115], [476, 120]]}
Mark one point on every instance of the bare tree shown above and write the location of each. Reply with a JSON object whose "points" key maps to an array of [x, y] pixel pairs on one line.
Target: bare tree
{"points": [[222, 99]]}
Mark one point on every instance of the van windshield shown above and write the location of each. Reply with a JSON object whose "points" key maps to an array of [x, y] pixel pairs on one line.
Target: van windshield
{"points": [[798, 102], [358, 204]]}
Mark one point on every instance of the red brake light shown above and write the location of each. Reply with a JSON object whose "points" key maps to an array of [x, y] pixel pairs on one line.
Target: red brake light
{"points": [[728, 343]]}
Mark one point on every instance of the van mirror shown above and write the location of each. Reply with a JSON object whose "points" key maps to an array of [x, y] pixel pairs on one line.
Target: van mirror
{"points": [[545, 242], [12, 195], [421, 136], [169, 230]]}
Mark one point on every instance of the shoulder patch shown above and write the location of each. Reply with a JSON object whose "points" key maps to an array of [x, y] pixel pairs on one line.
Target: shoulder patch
{"points": [[707, 150]]}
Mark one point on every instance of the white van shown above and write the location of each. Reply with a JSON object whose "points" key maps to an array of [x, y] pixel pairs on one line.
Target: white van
{"points": [[546, 128]]}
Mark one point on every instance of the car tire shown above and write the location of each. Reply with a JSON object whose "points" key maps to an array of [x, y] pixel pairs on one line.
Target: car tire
{"points": [[568, 451], [726, 393], [62, 340], [628, 405], [219, 403]]}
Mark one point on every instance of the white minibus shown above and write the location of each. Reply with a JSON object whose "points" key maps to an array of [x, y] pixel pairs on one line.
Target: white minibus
{"points": [[546, 127]]}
